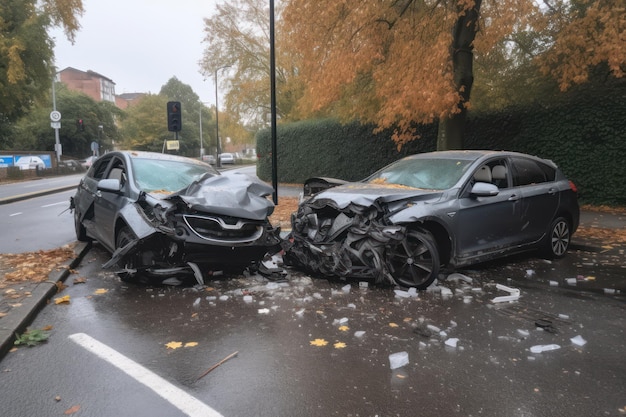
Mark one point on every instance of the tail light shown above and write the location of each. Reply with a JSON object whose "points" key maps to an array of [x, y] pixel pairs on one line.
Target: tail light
{"points": [[572, 186]]}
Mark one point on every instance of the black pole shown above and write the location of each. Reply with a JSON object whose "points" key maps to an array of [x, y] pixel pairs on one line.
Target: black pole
{"points": [[273, 104]]}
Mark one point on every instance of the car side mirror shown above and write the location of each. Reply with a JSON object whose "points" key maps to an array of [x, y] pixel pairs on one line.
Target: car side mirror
{"points": [[484, 189], [110, 185]]}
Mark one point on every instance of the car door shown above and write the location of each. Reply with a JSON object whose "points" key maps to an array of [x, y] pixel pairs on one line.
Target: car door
{"points": [[86, 197], [540, 196], [108, 203], [484, 224]]}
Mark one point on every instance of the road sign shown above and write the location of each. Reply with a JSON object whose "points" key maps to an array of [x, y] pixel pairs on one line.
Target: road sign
{"points": [[55, 116], [173, 145], [55, 125]]}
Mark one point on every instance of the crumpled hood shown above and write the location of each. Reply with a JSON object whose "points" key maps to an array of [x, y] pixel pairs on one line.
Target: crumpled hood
{"points": [[236, 195], [365, 194]]}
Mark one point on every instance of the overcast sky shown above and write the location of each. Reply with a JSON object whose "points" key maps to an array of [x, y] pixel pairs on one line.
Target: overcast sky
{"points": [[141, 44]]}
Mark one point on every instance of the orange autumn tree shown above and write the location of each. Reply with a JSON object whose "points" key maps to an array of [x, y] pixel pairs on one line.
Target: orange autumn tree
{"points": [[396, 63]]}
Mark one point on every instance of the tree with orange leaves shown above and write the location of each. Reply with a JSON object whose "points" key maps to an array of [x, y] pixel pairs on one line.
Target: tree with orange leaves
{"points": [[400, 62]]}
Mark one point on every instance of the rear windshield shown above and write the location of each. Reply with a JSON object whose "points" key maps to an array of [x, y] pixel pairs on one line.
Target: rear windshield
{"points": [[166, 175], [431, 174]]}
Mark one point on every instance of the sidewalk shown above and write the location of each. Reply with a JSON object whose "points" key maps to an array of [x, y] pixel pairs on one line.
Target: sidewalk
{"points": [[20, 302]]}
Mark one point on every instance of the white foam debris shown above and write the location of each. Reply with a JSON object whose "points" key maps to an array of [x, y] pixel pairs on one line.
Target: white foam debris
{"points": [[346, 289], [564, 316], [554, 283], [351, 305], [196, 303], [342, 320], [578, 340], [523, 332], [452, 342], [459, 277], [359, 333], [514, 294], [402, 294], [609, 290], [300, 312], [223, 297], [544, 348], [446, 292], [433, 328], [264, 310], [530, 272], [571, 281], [247, 298], [398, 360]]}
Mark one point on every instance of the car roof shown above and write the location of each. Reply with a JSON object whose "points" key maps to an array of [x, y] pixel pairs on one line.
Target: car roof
{"points": [[158, 156], [473, 155]]}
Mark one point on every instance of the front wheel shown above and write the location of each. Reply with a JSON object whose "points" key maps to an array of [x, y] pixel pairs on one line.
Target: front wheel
{"points": [[558, 238], [414, 261], [81, 232], [124, 237]]}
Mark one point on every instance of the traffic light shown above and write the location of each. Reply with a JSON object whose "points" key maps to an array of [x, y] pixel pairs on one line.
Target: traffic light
{"points": [[79, 125], [174, 116]]}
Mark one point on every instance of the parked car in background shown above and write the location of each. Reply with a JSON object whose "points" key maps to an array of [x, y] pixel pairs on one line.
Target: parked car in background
{"points": [[88, 162], [71, 165], [209, 158], [161, 215], [227, 158], [30, 162], [450, 209]]}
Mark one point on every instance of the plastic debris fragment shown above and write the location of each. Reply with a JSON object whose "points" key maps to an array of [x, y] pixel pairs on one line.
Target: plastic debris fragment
{"points": [[514, 294], [398, 360], [452, 342], [578, 340], [544, 348]]}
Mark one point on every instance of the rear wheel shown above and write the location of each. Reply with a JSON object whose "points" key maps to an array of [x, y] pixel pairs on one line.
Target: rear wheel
{"points": [[558, 238], [414, 262]]}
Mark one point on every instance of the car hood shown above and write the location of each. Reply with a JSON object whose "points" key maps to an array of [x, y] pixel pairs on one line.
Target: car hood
{"points": [[365, 194], [236, 195]]}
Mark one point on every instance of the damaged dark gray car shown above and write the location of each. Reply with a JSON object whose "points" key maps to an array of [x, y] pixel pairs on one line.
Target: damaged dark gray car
{"points": [[455, 208], [164, 215]]}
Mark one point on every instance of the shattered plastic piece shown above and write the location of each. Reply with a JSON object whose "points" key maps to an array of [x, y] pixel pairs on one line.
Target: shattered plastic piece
{"points": [[609, 290], [467, 299], [196, 303], [402, 294], [247, 298], [459, 277], [544, 348], [172, 281], [346, 288], [522, 332], [514, 294], [578, 340], [571, 281], [223, 297], [446, 292], [554, 283], [300, 312], [564, 316], [412, 292], [359, 333], [351, 305], [452, 342], [398, 360], [530, 272], [433, 328], [264, 310]]}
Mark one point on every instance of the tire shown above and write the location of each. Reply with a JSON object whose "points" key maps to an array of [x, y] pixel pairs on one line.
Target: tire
{"points": [[81, 232], [124, 236], [414, 262], [557, 241]]}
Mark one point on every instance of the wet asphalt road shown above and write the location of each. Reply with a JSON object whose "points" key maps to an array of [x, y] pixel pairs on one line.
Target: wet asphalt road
{"points": [[299, 353]]}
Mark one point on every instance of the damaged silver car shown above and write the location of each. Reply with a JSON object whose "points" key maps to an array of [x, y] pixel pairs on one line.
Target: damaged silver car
{"points": [[405, 222], [163, 215]]}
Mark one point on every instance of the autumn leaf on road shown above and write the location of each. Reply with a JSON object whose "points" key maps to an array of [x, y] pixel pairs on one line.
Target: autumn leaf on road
{"points": [[62, 300], [101, 291], [343, 328], [174, 345], [318, 342], [191, 344], [393, 325], [72, 410], [339, 345]]}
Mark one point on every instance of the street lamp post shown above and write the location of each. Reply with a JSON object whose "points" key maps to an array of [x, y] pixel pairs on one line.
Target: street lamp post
{"points": [[217, 112]]}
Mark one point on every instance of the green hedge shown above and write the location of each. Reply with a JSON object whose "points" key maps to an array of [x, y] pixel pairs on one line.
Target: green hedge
{"points": [[584, 133]]}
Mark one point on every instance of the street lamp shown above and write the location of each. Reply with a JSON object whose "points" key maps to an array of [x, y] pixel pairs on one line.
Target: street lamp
{"points": [[217, 112]]}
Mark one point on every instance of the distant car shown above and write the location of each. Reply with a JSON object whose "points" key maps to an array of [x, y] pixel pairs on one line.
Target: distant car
{"points": [[30, 162], [209, 158], [454, 208], [227, 158], [71, 165], [88, 162], [161, 215]]}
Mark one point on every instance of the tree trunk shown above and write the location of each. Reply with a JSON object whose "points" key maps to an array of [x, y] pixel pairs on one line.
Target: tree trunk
{"points": [[451, 129]]}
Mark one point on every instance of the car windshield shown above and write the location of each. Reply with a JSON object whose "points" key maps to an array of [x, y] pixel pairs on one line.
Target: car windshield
{"points": [[167, 175], [432, 174]]}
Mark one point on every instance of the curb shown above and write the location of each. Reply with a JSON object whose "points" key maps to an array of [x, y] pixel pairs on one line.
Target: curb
{"points": [[15, 198], [21, 317]]}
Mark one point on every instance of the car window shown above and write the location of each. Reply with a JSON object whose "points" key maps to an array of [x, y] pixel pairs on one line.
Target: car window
{"points": [[118, 171], [529, 172], [432, 174], [167, 175], [99, 167]]}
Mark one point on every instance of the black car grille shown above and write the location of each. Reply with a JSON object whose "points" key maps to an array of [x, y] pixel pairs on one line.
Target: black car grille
{"points": [[218, 230]]}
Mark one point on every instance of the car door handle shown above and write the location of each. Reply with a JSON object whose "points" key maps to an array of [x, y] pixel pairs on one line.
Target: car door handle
{"points": [[98, 194], [513, 197], [552, 191]]}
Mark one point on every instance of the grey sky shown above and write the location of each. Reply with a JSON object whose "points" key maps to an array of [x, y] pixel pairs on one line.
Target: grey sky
{"points": [[141, 44]]}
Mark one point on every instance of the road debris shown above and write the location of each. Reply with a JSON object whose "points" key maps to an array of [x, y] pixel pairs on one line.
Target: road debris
{"points": [[217, 364]]}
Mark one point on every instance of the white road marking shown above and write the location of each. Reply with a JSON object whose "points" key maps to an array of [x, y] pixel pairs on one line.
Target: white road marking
{"points": [[189, 405], [55, 204], [15, 214]]}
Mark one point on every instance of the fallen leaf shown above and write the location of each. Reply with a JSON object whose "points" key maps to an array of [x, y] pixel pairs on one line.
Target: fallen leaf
{"points": [[80, 280], [339, 345], [319, 342], [47, 328], [72, 410], [393, 325], [62, 300], [174, 345], [407, 319], [2, 315], [16, 305], [191, 344], [194, 315], [344, 328], [101, 291]]}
